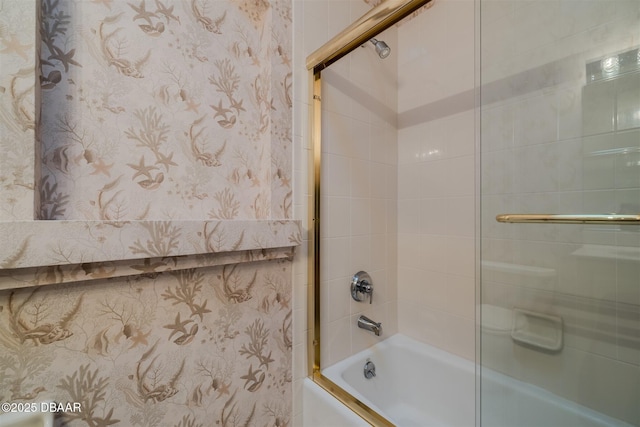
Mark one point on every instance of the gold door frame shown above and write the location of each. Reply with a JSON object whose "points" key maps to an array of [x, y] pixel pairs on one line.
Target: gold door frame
{"points": [[378, 19]]}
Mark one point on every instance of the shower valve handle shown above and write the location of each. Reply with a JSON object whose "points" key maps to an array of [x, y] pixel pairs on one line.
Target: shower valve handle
{"points": [[366, 288], [361, 284]]}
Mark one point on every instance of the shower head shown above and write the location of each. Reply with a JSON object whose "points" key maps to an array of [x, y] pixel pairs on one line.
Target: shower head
{"points": [[381, 47]]}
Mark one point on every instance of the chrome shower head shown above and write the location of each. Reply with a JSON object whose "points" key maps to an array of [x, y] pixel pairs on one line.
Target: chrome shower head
{"points": [[381, 47]]}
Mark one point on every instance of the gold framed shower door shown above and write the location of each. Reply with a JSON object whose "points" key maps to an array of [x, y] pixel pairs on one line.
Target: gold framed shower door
{"points": [[378, 19]]}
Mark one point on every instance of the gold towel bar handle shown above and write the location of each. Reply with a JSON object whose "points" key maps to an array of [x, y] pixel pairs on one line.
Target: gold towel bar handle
{"points": [[570, 219]]}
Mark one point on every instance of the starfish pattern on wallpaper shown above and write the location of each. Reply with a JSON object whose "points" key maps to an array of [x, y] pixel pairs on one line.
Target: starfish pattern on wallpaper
{"points": [[178, 326], [101, 167], [140, 338], [162, 101], [166, 161], [143, 13], [167, 12], [223, 389], [13, 45], [192, 106], [251, 375], [65, 58], [141, 169], [220, 110]]}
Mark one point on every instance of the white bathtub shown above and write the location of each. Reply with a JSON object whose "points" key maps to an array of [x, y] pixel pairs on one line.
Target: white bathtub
{"points": [[420, 385]]}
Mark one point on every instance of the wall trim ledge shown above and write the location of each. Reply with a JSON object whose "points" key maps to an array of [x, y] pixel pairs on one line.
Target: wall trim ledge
{"points": [[35, 244], [148, 267]]}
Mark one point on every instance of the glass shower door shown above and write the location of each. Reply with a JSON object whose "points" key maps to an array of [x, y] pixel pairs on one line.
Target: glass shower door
{"points": [[560, 135]]}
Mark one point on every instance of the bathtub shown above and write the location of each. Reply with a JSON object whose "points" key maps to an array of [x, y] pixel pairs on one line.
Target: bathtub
{"points": [[420, 385]]}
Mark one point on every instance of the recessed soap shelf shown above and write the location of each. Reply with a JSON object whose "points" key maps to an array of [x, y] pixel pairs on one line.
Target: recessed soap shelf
{"points": [[538, 330]]}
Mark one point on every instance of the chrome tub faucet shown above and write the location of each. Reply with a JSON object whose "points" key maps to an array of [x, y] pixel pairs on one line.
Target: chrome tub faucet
{"points": [[365, 323]]}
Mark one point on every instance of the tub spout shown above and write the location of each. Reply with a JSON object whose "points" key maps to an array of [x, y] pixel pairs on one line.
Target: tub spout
{"points": [[365, 323]]}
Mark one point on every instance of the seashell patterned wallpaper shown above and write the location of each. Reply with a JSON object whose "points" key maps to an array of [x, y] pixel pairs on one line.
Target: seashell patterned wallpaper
{"points": [[155, 110], [164, 109], [195, 347], [17, 109]]}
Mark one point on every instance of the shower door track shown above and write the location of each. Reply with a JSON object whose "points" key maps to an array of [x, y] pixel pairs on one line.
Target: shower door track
{"points": [[378, 19]]}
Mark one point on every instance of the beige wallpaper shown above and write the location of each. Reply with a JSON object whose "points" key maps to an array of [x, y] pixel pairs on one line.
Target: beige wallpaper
{"points": [[195, 347], [17, 109], [54, 243], [165, 109], [158, 125]]}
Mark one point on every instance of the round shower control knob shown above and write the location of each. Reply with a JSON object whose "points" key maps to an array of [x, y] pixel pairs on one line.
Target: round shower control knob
{"points": [[361, 284]]}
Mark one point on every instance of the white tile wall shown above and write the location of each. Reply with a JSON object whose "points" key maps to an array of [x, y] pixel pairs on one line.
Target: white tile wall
{"points": [[368, 197], [436, 246], [542, 140], [436, 181], [359, 182]]}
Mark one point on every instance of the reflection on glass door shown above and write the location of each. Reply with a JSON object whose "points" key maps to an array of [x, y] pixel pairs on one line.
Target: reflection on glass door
{"points": [[560, 134]]}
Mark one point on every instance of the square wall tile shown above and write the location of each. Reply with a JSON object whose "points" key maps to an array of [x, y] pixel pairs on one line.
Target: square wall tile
{"points": [[433, 179], [460, 336], [338, 252], [460, 176], [408, 216], [461, 293], [336, 341], [460, 217], [360, 253], [337, 172], [316, 19], [338, 299], [338, 216], [598, 107], [536, 119], [360, 178], [409, 250], [433, 215], [460, 256], [461, 134], [380, 252], [410, 181]]}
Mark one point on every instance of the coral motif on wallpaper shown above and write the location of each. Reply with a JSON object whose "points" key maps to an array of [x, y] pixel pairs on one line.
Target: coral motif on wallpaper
{"points": [[195, 347], [63, 243], [165, 110], [17, 110]]}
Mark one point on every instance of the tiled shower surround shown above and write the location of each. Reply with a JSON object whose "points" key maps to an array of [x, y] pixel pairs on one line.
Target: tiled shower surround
{"points": [[373, 114], [534, 136], [159, 291], [379, 178]]}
